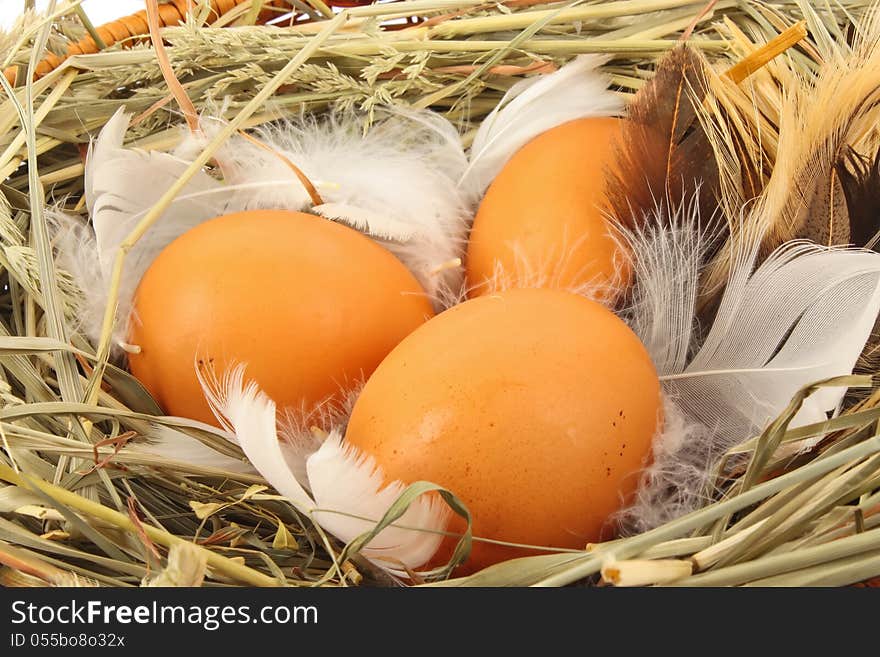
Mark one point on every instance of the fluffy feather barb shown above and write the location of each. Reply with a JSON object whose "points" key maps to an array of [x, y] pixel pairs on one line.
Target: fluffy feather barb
{"points": [[396, 181], [801, 316], [121, 185], [348, 492], [178, 446]]}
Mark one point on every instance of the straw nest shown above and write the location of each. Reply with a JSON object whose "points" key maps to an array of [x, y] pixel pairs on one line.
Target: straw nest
{"points": [[81, 505]]}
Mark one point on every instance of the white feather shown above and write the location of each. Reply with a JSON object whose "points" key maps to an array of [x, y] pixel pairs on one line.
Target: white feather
{"points": [[121, 185], [396, 182], [534, 105], [666, 263], [76, 252], [244, 410], [803, 315], [367, 221], [349, 493], [344, 479], [300, 429], [176, 445]]}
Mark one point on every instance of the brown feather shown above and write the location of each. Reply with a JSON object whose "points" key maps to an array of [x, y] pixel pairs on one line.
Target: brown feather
{"points": [[824, 212], [819, 115], [664, 154], [860, 179], [822, 119]]}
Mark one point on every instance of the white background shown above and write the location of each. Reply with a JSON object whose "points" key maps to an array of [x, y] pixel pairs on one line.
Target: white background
{"points": [[99, 11]]}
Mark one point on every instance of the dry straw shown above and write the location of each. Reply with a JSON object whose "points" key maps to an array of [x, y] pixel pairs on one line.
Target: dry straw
{"points": [[81, 504]]}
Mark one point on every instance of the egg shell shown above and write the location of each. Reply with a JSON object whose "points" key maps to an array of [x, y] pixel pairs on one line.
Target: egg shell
{"points": [[542, 219], [309, 306], [537, 407]]}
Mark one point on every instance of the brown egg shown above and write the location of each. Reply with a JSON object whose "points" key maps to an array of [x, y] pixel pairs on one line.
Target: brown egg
{"points": [[310, 306], [537, 407], [541, 222]]}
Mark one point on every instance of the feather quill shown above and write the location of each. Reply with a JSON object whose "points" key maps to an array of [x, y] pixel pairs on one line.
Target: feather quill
{"points": [[802, 315], [345, 492], [578, 90]]}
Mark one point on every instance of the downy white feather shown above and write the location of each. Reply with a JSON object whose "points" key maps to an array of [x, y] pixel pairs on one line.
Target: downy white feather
{"points": [[346, 492], [395, 182], [76, 252], [176, 445], [244, 410], [802, 315], [534, 105], [121, 184], [342, 478], [679, 477]]}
